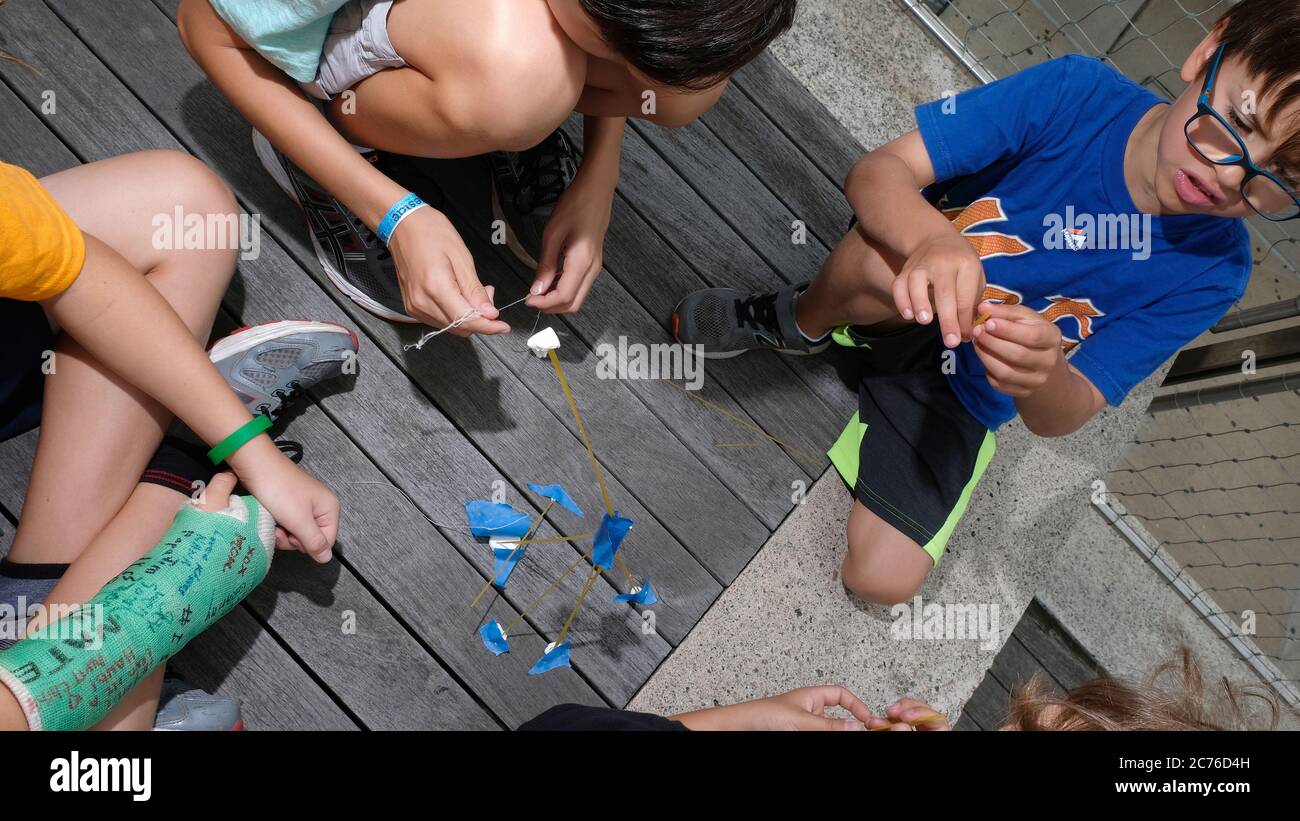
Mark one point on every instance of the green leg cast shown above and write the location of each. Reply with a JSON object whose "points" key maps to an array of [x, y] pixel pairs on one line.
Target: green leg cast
{"points": [[72, 675]]}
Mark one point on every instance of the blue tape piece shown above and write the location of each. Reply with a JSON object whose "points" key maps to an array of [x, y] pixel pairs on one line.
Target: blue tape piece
{"points": [[646, 595], [558, 657], [494, 519], [505, 559], [609, 538], [493, 638], [557, 494]]}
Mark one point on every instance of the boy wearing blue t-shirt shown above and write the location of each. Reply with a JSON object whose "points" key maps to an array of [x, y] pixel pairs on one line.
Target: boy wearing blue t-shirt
{"points": [[1069, 231]]}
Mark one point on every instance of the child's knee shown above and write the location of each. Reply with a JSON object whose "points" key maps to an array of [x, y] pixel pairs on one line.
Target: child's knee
{"points": [[199, 189], [884, 571]]}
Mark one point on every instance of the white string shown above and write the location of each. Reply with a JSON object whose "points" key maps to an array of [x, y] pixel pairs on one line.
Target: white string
{"points": [[469, 314]]}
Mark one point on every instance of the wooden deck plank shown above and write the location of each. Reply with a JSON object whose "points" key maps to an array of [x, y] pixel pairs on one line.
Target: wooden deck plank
{"points": [[783, 169], [740, 198], [238, 659], [1042, 636], [800, 115], [987, 707], [1014, 666]]}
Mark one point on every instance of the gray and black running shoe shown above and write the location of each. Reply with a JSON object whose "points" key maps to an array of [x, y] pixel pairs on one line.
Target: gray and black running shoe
{"points": [[270, 365], [727, 322], [350, 254], [525, 187]]}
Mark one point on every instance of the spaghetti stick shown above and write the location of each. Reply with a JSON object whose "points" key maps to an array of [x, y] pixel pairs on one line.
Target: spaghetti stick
{"points": [[549, 589], [750, 425], [554, 539], [586, 588], [591, 454]]}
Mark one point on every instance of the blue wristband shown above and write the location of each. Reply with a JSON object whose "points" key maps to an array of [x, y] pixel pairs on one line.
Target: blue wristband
{"points": [[400, 210]]}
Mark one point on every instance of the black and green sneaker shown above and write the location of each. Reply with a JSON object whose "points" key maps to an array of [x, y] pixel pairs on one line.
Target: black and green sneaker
{"points": [[726, 322], [525, 187]]}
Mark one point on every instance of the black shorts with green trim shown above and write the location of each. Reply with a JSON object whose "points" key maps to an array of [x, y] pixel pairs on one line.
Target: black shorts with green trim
{"points": [[912, 454]]}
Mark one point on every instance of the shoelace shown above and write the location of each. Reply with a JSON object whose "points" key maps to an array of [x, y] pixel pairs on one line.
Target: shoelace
{"points": [[287, 396], [291, 449], [759, 312], [545, 171]]}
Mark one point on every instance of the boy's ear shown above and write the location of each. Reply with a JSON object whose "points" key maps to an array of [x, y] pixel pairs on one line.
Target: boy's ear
{"points": [[1198, 60]]}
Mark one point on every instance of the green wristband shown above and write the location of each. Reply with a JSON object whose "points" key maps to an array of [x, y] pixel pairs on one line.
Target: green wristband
{"points": [[227, 447]]}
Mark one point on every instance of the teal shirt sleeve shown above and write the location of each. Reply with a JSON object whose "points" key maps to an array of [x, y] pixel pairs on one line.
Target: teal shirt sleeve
{"points": [[288, 33]]}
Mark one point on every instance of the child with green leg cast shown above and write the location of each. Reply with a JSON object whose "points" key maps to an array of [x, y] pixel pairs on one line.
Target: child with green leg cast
{"points": [[130, 316], [71, 674]]}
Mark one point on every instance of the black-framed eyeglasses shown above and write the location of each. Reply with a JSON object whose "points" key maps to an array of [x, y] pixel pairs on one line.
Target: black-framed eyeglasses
{"points": [[1218, 142]]}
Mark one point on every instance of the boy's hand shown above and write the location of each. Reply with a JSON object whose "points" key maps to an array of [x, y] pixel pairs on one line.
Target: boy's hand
{"points": [[575, 233], [909, 714], [305, 511], [436, 273], [1019, 348], [947, 263]]}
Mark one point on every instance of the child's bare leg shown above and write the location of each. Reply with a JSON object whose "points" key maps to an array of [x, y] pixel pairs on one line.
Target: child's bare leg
{"points": [[882, 566], [852, 288], [97, 432]]}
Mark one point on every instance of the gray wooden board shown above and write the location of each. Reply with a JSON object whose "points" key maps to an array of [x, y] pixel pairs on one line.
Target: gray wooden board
{"points": [[782, 167], [163, 139], [760, 475], [800, 115], [474, 372], [987, 706], [1014, 666], [966, 723], [236, 658], [1042, 636], [739, 197]]}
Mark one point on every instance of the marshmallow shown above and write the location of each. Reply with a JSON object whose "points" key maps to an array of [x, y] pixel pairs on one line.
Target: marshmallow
{"points": [[543, 341]]}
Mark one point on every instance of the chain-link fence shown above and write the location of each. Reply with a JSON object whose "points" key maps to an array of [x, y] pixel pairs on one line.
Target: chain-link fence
{"points": [[1208, 490]]}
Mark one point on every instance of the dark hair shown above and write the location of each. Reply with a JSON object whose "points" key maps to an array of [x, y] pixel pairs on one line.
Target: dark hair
{"points": [[689, 44], [1266, 35]]}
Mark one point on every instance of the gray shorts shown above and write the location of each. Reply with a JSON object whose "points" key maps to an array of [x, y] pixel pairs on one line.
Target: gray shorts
{"points": [[357, 47]]}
